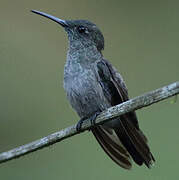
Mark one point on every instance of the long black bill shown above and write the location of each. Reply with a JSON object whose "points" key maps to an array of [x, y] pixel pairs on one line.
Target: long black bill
{"points": [[53, 18]]}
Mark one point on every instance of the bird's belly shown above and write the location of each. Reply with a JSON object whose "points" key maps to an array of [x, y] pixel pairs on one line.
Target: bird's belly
{"points": [[86, 96]]}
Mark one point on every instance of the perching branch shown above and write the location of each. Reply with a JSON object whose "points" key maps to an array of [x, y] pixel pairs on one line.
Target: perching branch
{"points": [[131, 105]]}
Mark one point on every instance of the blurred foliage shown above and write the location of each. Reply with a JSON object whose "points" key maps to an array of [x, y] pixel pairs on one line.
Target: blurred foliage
{"points": [[141, 41]]}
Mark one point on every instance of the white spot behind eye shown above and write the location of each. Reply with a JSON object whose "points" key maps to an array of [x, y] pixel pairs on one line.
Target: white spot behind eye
{"points": [[86, 31]]}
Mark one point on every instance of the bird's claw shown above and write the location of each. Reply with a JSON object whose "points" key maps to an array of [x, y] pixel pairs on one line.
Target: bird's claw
{"points": [[92, 120], [79, 124]]}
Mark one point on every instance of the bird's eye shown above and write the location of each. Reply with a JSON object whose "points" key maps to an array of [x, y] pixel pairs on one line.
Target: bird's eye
{"points": [[82, 29]]}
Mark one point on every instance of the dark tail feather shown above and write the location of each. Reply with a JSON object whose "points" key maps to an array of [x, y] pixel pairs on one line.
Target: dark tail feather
{"points": [[135, 142], [113, 148]]}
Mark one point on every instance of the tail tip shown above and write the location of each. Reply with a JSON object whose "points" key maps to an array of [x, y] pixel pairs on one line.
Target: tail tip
{"points": [[151, 164]]}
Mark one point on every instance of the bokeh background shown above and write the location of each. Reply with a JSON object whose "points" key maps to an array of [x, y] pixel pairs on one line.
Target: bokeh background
{"points": [[141, 40]]}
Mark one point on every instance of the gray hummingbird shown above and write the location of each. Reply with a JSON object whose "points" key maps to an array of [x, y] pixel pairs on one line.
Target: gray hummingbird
{"points": [[93, 85]]}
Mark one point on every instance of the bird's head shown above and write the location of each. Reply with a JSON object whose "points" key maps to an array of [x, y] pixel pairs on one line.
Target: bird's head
{"points": [[79, 31]]}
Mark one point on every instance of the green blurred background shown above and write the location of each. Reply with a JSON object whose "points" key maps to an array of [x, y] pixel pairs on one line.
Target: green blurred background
{"points": [[141, 40]]}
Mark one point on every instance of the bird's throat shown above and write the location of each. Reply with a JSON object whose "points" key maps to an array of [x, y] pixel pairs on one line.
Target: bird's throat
{"points": [[82, 54]]}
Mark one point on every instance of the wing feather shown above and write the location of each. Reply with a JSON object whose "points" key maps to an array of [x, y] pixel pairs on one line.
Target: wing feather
{"points": [[126, 137], [116, 152]]}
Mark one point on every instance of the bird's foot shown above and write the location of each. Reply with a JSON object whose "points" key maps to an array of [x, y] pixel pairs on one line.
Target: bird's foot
{"points": [[92, 120], [79, 124]]}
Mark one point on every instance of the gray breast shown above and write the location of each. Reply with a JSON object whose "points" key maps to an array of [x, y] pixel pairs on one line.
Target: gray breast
{"points": [[85, 93]]}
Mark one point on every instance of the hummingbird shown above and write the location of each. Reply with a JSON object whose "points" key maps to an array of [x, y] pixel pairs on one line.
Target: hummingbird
{"points": [[92, 85]]}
